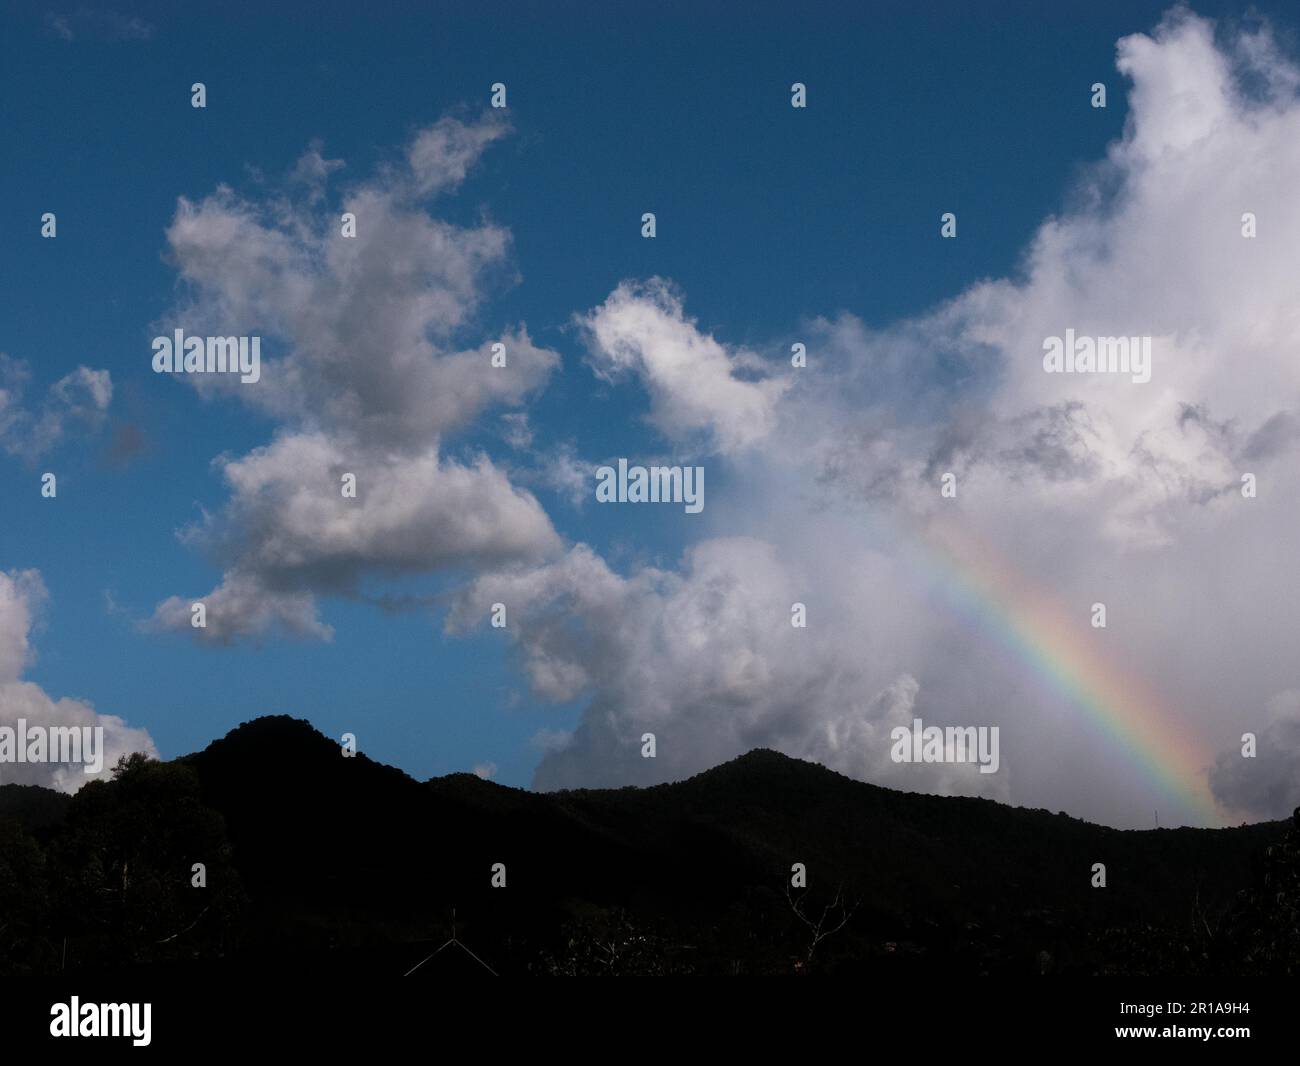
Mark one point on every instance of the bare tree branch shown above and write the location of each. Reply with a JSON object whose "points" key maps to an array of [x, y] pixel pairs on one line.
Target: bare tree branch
{"points": [[192, 924], [819, 930]]}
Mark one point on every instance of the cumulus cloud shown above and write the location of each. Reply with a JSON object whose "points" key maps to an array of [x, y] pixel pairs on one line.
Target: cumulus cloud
{"points": [[699, 389], [443, 154], [1086, 487], [706, 658], [1153, 247], [21, 595], [79, 399], [364, 377], [1100, 488], [289, 532]]}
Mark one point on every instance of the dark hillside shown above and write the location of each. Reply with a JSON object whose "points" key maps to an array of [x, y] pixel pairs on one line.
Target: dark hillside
{"points": [[347, 864]]}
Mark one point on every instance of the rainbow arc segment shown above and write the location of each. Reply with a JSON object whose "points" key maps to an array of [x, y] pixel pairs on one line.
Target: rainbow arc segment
{"points": [[1135, 720]]}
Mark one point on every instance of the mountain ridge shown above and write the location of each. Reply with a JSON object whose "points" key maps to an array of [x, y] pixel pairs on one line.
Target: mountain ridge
{"points": [[354, 864], [761, 759]]}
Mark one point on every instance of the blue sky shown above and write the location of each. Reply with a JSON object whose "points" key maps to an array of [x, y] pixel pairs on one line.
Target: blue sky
{"points": [[768, 219]]}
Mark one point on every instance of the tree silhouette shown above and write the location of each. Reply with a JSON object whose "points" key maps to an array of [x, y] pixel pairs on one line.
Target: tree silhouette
{"points": [[834, 916]]}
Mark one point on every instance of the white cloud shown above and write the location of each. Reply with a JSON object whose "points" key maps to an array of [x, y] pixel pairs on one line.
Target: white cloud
{"points": [[79, 398], [1089, 487], [292, 533], [697, 386], [368, 379], [21, 595], [707, 659], [443, 154]]}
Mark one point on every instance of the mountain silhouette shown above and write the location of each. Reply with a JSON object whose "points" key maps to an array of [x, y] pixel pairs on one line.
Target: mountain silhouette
{"points": [[345, 864]]}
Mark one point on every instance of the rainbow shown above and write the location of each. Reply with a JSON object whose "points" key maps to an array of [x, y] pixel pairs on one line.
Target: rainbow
{"points": [[1124, 709]]}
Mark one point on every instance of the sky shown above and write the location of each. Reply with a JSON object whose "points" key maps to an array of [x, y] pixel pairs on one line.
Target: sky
{"points": [[775, 225]]}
